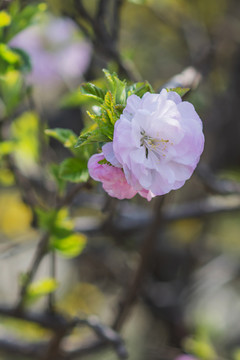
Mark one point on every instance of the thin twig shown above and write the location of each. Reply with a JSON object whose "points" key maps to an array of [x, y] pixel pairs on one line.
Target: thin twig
{"points": [[51, 296], [39, 255], [69, 197], [106, 333]]}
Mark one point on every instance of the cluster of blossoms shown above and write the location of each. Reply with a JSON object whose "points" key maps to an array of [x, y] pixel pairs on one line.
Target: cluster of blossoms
{"points": [[157, 143]]}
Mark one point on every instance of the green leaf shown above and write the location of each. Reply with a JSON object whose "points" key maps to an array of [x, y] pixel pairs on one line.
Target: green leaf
{"points": [[8, 59], [108, 111], [91, 136], [11, 87], [104, 161], [53, 220], [69, 246], [25, 131], [93, 91], [74, 170], [21, 19], [6, 147], [139, 88], [14, 58], [66, 136], [46, 218], [105, 125], [117, 87], [180, 91], [25, 61], [39, 289]]}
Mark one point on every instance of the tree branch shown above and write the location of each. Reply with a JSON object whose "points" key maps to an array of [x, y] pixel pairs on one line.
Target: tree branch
{"points": [[146, 252], [41, 251], [61, 326]]}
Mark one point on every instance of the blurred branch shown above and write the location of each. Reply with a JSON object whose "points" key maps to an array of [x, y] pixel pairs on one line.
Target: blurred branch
{"points": [[106, 334], [4, 4], [15, 347], [214, 184], [52, 271], [116, 19], [61, 326], [146, 252], [69, 197], [51, 321], [41, 251], [103, 39], [212, 205]]}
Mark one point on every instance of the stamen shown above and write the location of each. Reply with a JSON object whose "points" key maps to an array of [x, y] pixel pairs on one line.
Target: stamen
{"points": [[146, 149], [157, 146]]}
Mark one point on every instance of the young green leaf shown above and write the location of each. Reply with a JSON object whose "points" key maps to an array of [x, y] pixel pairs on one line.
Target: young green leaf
{"points": [[139, 88], [25, 61], [46, 218], [39, 289], [91, 137], [11, 87], [66, 136], [7, 147], [25, 131], [22, 17], [5, 19], [104, 161], [69, 246], [117, 87], [93, 91], [108, 109]]}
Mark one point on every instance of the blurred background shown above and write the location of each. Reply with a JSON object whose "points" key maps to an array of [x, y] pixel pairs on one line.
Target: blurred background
{"points": [[189, 298]]}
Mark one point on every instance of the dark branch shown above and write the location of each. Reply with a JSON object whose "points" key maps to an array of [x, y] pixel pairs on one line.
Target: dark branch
{"points": [[107, 334], [214, 184], [15, 347], [116, 18], [51, 321], [61, 326]]}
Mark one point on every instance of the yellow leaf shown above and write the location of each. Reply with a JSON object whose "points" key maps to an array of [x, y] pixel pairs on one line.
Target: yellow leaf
{"points": [[5, 19]]}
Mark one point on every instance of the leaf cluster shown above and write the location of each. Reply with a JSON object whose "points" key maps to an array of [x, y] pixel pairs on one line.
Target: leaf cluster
{"points": [[63, 238], [111, 102], [73, 169]]}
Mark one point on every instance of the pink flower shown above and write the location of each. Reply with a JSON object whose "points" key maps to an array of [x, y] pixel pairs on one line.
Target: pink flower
{"points": [[56, 51], [158, 141], [110, 156], [112, 178]]}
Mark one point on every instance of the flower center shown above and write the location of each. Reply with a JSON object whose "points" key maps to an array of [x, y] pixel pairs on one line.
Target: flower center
{"points": [[157, 146]]}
